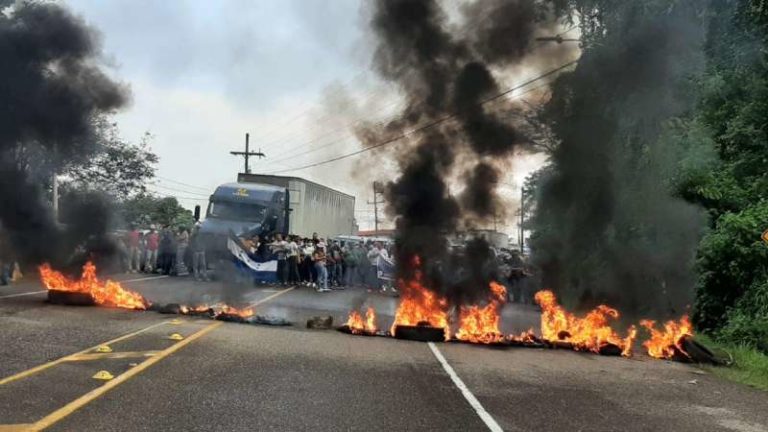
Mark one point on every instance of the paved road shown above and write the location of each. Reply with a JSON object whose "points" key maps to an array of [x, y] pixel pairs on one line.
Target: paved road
{"points": [[225, 376]]}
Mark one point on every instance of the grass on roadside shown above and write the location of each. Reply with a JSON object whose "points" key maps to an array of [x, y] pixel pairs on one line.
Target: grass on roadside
{"points": [[749, 367]]}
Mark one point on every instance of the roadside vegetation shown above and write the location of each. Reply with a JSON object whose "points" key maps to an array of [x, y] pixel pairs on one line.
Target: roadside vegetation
{"points": [[750, 366], [656, 194]]}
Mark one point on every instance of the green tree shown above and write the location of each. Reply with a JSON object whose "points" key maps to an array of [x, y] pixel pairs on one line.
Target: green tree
{"points": [[607, 227], [733, 116], [144, 209], [116, 167]]}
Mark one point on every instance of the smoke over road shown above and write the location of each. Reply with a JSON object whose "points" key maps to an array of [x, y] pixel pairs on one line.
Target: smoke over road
{"points": [[443, 71], [51, 90], [607, 228]]}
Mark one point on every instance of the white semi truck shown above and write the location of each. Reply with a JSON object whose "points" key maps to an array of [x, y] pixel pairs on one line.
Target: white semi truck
{"points": [[268, 204]]}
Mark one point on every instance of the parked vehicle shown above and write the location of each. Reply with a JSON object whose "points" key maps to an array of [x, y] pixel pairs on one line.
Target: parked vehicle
{"points": [[265, 205]]}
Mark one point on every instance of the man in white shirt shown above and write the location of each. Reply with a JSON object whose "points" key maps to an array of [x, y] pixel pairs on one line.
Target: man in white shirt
{"points": [[292, 250], [373, 260], [279, 247]]}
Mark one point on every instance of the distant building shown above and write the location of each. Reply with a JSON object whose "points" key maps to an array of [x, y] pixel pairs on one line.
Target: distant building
{"points": [[379, 233], [494, 238]]}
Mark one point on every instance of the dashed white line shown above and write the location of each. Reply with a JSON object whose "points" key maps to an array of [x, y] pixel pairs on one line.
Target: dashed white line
{"points": [[144, 278], [22, 294], [481, 412], [43, 291]]}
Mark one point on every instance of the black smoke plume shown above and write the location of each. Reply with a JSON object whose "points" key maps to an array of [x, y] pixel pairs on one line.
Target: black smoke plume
{"points": [[442, 71], [607, 228], [50, 90]]}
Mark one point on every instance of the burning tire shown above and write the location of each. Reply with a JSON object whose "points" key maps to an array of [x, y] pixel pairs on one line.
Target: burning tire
{"points": [[70, 298], [420, 333]]}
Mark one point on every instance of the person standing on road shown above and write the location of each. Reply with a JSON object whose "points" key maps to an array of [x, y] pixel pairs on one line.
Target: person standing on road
{"points": [[5, 260], [134, 254], [351, 262], [182, 243], [199, 264], [335, 252], [362, 263], [330, 262], [384, 269], [167, 252], [279, 248], [153, 243], [293, 261], [322, 271], [372, 278], [308, 262]]}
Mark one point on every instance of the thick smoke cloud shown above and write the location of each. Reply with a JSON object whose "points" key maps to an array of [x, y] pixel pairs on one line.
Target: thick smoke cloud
{"points": [[51, 90], [607, 229], [442, 72]]}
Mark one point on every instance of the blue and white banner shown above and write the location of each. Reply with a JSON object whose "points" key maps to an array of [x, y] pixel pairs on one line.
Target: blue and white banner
{"points": [[385, 269], [265, 271]]}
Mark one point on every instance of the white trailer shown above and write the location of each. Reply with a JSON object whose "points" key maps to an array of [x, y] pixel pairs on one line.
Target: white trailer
{"points": [[314, 208]]}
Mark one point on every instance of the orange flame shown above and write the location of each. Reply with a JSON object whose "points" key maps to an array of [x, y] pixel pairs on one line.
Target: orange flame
{"points": [[526, 336], [108, 293], [217, 310], [243, 313], [590, 333], [481, 324], [194, 309], [357, 324], [664, 344], [419, 306]]}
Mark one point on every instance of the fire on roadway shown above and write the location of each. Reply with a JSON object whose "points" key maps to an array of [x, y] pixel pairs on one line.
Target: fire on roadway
{"points": [[487, 228]]}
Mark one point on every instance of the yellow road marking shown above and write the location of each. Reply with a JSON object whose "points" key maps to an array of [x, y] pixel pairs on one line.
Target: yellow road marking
{"points": [[45, 366], [71, 407], [78, 403], [15, 427], [113, 355], [268, 298]]}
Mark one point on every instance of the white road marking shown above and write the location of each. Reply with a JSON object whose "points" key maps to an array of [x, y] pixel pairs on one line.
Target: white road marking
{"points": [[22, 294], [484, 416], [43, 291], [144, 278], [270, 297]]}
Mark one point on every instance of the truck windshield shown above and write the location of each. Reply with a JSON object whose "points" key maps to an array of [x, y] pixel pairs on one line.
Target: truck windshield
{"points": [[236, 211]]}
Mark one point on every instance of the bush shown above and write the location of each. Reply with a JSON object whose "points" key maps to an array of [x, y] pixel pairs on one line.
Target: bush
{"points": [[748, 320], [732, 262]]}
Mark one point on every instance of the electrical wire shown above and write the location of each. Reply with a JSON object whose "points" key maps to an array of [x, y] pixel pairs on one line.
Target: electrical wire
{"points": [[428, 125], [181, 183]]}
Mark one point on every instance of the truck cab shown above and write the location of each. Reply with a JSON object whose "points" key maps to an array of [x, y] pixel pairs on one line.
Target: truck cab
{"points": [[243, 208]]}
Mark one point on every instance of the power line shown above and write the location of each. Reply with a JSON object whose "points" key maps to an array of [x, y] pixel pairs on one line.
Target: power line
{"points": [[181, 183], [163, 195], [179, 190], [349, 135], [428, 125], [370, 95]]}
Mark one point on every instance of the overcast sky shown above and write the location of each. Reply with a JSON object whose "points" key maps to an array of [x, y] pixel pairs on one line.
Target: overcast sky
{"points": [[293, 73]]}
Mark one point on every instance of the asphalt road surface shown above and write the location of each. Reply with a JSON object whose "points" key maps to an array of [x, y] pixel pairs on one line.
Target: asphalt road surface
{"points": [[234, 377]]}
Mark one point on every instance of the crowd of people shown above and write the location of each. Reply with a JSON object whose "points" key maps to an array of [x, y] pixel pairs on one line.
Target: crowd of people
{"points": [[314, 262], [166, 251], [324, 264]]}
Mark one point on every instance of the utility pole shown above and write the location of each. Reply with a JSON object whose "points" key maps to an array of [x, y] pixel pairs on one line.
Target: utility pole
{"points": [[522, 219], [378, 189], [247, 153], [55, 183]]}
